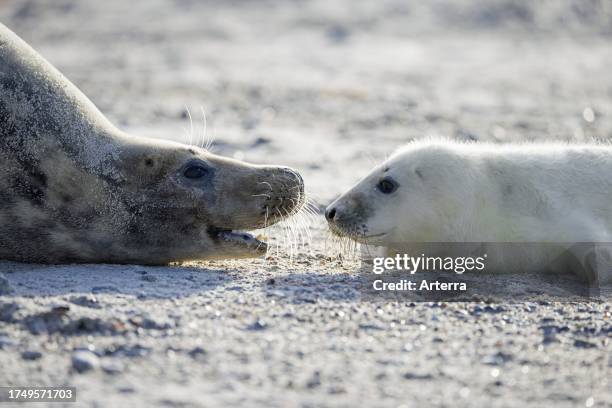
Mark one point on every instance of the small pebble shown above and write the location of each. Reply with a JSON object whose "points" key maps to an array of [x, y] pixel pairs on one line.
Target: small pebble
{"points": [[112, 366], [258, 325], [417, 376], [5, 287], [197, 352], [7, 311], [314, 381], [6, 342], [83, 361], [31, 355], [584, 344], [86, 301]]}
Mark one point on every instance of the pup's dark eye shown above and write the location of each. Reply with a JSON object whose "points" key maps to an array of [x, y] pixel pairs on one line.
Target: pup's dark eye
{"points": [[387, 185], [195, 171]]}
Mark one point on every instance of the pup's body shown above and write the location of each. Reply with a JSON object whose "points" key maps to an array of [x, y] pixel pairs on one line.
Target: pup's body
{"points": [[529, 203], [73, 188]]}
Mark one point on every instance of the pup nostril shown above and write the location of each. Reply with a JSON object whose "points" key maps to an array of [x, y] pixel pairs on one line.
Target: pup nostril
{"points": [[330, 213]]}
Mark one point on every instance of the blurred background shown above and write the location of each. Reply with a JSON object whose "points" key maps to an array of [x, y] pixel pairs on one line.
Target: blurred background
{"points": [[331, 87]]}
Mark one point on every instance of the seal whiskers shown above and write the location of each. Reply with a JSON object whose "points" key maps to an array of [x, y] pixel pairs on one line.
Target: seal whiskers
{"points": [[292, 233]]}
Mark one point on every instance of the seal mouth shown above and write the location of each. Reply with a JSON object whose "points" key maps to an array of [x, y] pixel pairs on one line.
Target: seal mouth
{"points": [[238, 238], [356, 236]]}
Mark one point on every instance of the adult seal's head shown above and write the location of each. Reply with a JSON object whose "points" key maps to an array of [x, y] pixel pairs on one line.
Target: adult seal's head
{"points": [[73, 188]]}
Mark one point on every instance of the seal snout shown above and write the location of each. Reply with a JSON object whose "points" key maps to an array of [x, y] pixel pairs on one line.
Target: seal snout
{"points": [[348, 215], [285, 195], [293, 182]]}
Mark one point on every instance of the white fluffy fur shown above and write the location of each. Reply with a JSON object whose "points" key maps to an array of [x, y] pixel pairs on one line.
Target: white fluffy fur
{"points": [[500, 193], [556, 195]]}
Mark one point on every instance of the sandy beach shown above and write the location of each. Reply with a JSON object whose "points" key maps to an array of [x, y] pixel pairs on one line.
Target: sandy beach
{"points": [[330, 89]]}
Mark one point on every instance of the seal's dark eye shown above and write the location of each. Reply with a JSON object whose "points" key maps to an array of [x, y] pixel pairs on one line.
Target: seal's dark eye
{"points": [[195, 171], [387, 185]]}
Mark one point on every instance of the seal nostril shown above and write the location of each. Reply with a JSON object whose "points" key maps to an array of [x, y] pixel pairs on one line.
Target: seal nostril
{"points": [[330, 214]]}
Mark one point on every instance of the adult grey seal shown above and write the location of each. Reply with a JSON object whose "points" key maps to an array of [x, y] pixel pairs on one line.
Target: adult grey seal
{"points": [[75, 189]]}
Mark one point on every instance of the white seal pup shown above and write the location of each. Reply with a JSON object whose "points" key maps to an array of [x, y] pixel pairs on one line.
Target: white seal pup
{"points": [[530, 205], [74, 188]]}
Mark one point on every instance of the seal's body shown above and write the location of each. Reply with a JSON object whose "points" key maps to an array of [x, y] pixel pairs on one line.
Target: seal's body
{"points": [[536, 200], [74, 188]]}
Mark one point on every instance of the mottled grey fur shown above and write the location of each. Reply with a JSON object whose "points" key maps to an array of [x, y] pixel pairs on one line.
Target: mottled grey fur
{"points": [[74, 188]]}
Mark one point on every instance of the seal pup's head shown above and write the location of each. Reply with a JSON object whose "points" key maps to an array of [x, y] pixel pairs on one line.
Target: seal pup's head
{"points": [[411, 197]]}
